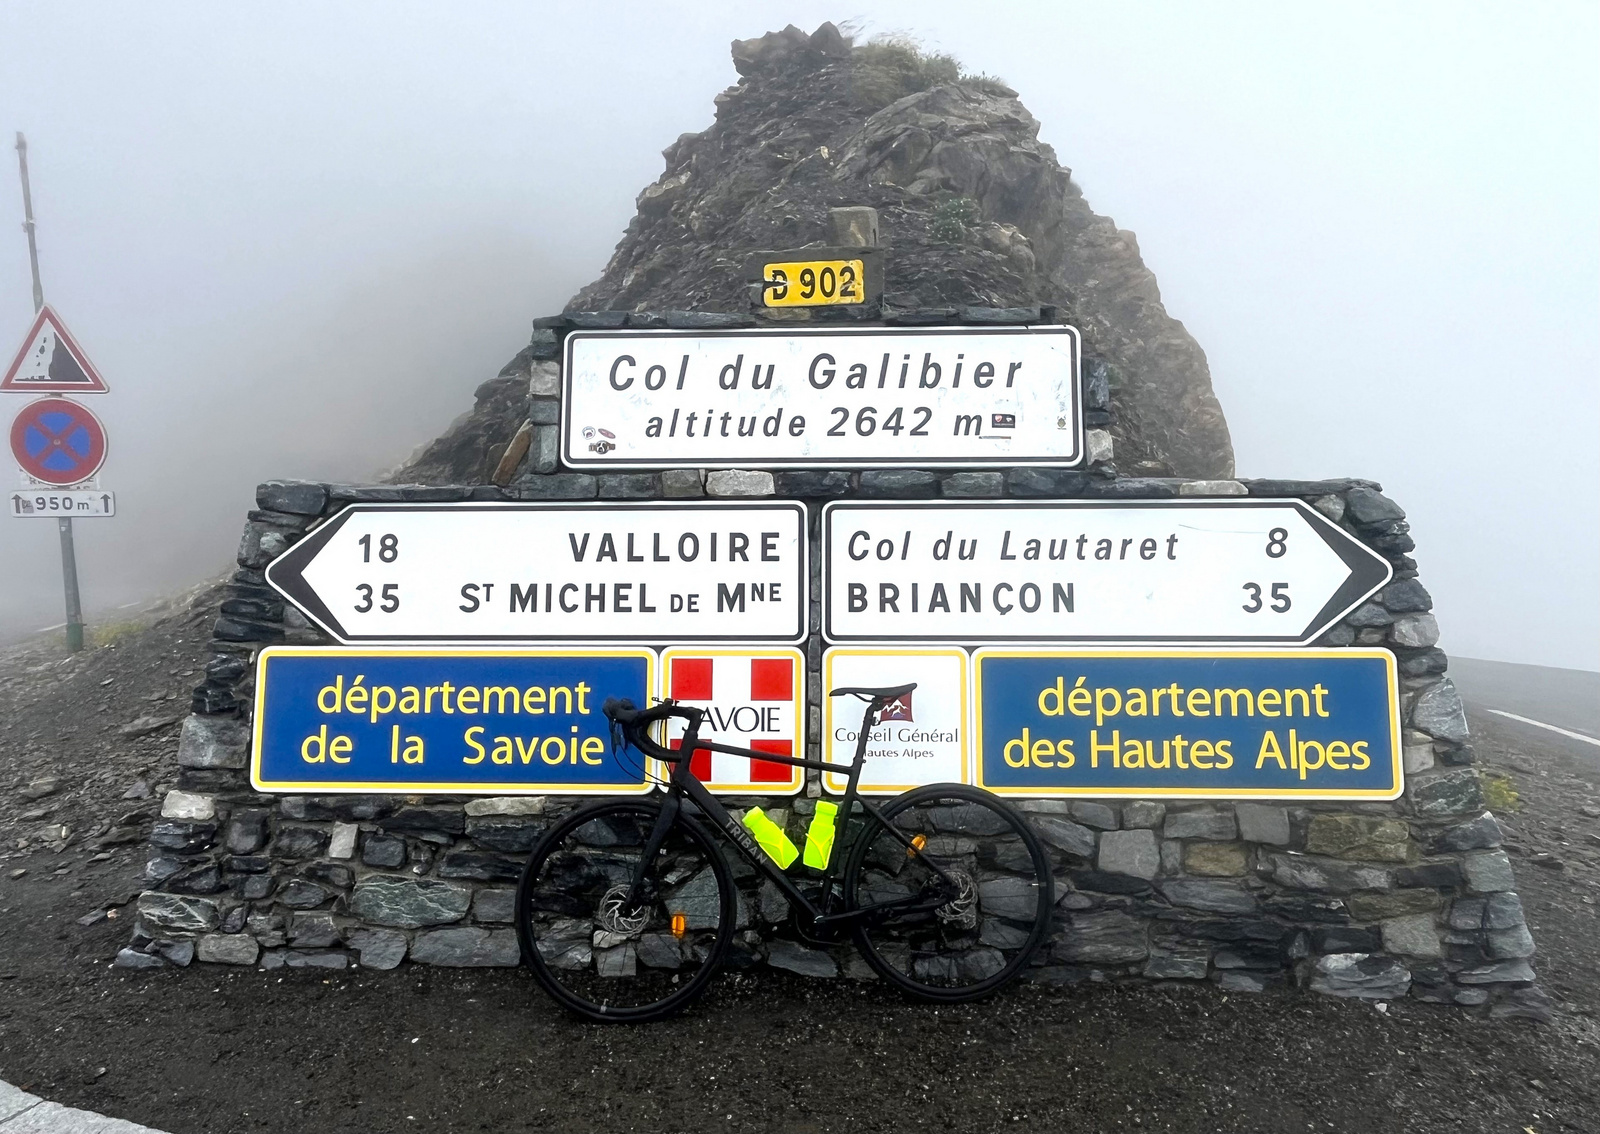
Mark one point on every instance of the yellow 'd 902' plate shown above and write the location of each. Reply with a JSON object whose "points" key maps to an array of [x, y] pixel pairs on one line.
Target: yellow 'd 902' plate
{"points": [[813, 283]]}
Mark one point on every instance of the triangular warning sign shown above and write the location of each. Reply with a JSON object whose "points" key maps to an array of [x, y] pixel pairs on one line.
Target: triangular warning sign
{"points": [[51, 361]]}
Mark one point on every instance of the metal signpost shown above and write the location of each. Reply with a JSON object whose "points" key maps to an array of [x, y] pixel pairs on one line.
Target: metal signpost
{"points": [[930, 397], [58, 444], [656, 572], [1268, 571]]}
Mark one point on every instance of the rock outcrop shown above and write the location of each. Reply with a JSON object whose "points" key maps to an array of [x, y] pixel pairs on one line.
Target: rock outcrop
{"points": [[974, 210]]}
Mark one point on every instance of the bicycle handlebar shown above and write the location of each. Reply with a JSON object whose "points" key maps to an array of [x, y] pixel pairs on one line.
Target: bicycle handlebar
{"points": [[634, 723]]}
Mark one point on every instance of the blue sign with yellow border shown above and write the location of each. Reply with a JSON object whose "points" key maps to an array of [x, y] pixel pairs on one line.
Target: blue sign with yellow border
{"points": [[440, 720], [1219, 724]]}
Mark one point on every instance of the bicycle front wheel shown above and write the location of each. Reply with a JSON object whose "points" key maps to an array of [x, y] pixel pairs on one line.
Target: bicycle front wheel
{"points": [[985, 884], [610, 957]]}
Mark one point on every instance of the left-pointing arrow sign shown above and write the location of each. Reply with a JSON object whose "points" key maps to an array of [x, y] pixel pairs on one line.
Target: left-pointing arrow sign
{"points": [[682, 572], [1201, 571]]}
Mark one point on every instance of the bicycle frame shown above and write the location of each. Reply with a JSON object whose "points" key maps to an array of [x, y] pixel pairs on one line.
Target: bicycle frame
{"points": [[684, 783]]}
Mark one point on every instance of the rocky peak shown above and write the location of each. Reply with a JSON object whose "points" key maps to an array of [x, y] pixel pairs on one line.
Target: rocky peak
{"points": [[974, 210]]}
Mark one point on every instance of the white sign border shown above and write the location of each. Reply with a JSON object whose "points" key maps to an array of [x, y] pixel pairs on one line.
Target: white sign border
{"points": [[1313, 517], [582, 461]]}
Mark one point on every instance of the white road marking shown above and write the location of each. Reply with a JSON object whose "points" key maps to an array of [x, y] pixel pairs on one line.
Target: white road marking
{"points": [[1551, 727]]}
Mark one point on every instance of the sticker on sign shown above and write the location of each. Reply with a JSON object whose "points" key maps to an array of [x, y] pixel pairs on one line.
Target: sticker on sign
{"points": [[540, 572], [54, 504], [754, 698], [932, 397], [1269, 571]]}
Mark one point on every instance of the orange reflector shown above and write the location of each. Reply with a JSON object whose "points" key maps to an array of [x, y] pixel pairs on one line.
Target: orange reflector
{"points": [[917, 843], [680, 925]]}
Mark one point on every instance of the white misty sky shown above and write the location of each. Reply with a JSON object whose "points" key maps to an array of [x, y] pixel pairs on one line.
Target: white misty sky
{"points": [[294, 237]]}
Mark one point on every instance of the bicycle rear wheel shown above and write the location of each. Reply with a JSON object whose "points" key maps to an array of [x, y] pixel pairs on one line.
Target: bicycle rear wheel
{"points": [[596, 953], [992, 919]]}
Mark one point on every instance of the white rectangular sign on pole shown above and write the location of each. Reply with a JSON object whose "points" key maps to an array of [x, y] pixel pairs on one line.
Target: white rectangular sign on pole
{"points": [[927, 397], [1267, 571], [653, 572], [56, 503]]}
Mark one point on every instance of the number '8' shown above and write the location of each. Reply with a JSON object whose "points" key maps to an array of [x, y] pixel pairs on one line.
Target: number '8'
{"points": [[1277, 543]]}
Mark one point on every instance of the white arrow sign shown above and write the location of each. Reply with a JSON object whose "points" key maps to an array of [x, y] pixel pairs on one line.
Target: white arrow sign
{"points": [[1267, 571], [680, 572]]}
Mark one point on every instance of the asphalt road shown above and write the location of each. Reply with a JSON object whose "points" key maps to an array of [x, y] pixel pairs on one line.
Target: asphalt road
{"points": [[1563, 698]]}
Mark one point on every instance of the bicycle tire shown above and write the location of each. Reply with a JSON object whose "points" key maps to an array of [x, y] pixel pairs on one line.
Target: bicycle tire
{"points": [[937, 957], [563, 931]]}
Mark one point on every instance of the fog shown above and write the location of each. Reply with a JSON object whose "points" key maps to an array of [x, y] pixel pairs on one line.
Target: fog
{"points": [[295, 237]]}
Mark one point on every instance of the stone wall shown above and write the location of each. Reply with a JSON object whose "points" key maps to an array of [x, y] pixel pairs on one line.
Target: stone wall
{"points": [[1369, 899]]}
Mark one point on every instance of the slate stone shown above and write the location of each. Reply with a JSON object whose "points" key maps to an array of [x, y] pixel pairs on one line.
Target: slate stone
{"points": [[1525, 1004], [556, 486], [443, 818], [409, 904], [1234, 980], [1305, 907], [313, 931], [298, 894], [133, 959], [1046, 482], [297, 960], [383, 851], [1096, 384], [1249, 955], [597, 320], [1358, 837], [1178, 962], [1200, 824], [513, 833], [228, 949], [1346, 939], [1133, 488], [682, 483], [1215, 860], [1440, 712], [1514, 971], [796, 958], [1301, 872], [1259, 823], [1514, 942], [180, 953], [1302, 488], [254, 887], [378, 948], [708, 319], [329, 874], [344, 808], [899, 484], [1100, 882], [1488, 872], [1412, 935], [1422, 663], [1103, 937], [1369, 976], [205, 879], [1214, 897], [626, 486], [213, 742], [813, 483], [1096, 815], [467, 947], [299, 842], [1446, 794], [974, 484], [544, 411], [1001, 316], [1377, 905], [182, 836], [494, 905], [1482, 833], [1414, 631], [1438, 875], [1142, 813], [1065, 835], [246, 831], [1405, 596], [342, 842], [739, 482], [1134, 853], [178, 913], [480, 866], [1369, 614], [1502, 911], [1007, 897], [1369, 506]]}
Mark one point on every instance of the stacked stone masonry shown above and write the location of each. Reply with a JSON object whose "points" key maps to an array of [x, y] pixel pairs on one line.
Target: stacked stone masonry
{"points": [[1413, 897]]}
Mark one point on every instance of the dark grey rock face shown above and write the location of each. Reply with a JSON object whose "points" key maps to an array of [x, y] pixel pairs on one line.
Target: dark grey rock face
{"points": [[806, 130]]}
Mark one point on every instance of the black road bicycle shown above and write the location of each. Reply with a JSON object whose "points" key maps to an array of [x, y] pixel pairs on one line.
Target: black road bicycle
{"points": [[627, 908]]}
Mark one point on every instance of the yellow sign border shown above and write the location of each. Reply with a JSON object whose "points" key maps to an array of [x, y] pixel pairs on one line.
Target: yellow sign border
{"points": [[968, 763], [797, 779], [817, 265], [367, 787], [1391, 668]]}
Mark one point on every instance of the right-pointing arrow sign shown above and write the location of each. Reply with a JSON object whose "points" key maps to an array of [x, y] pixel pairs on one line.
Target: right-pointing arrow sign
{"points": [[1217, 571]]}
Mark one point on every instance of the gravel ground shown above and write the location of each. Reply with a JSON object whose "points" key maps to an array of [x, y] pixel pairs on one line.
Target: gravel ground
{"points": [[207, 1049]]}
